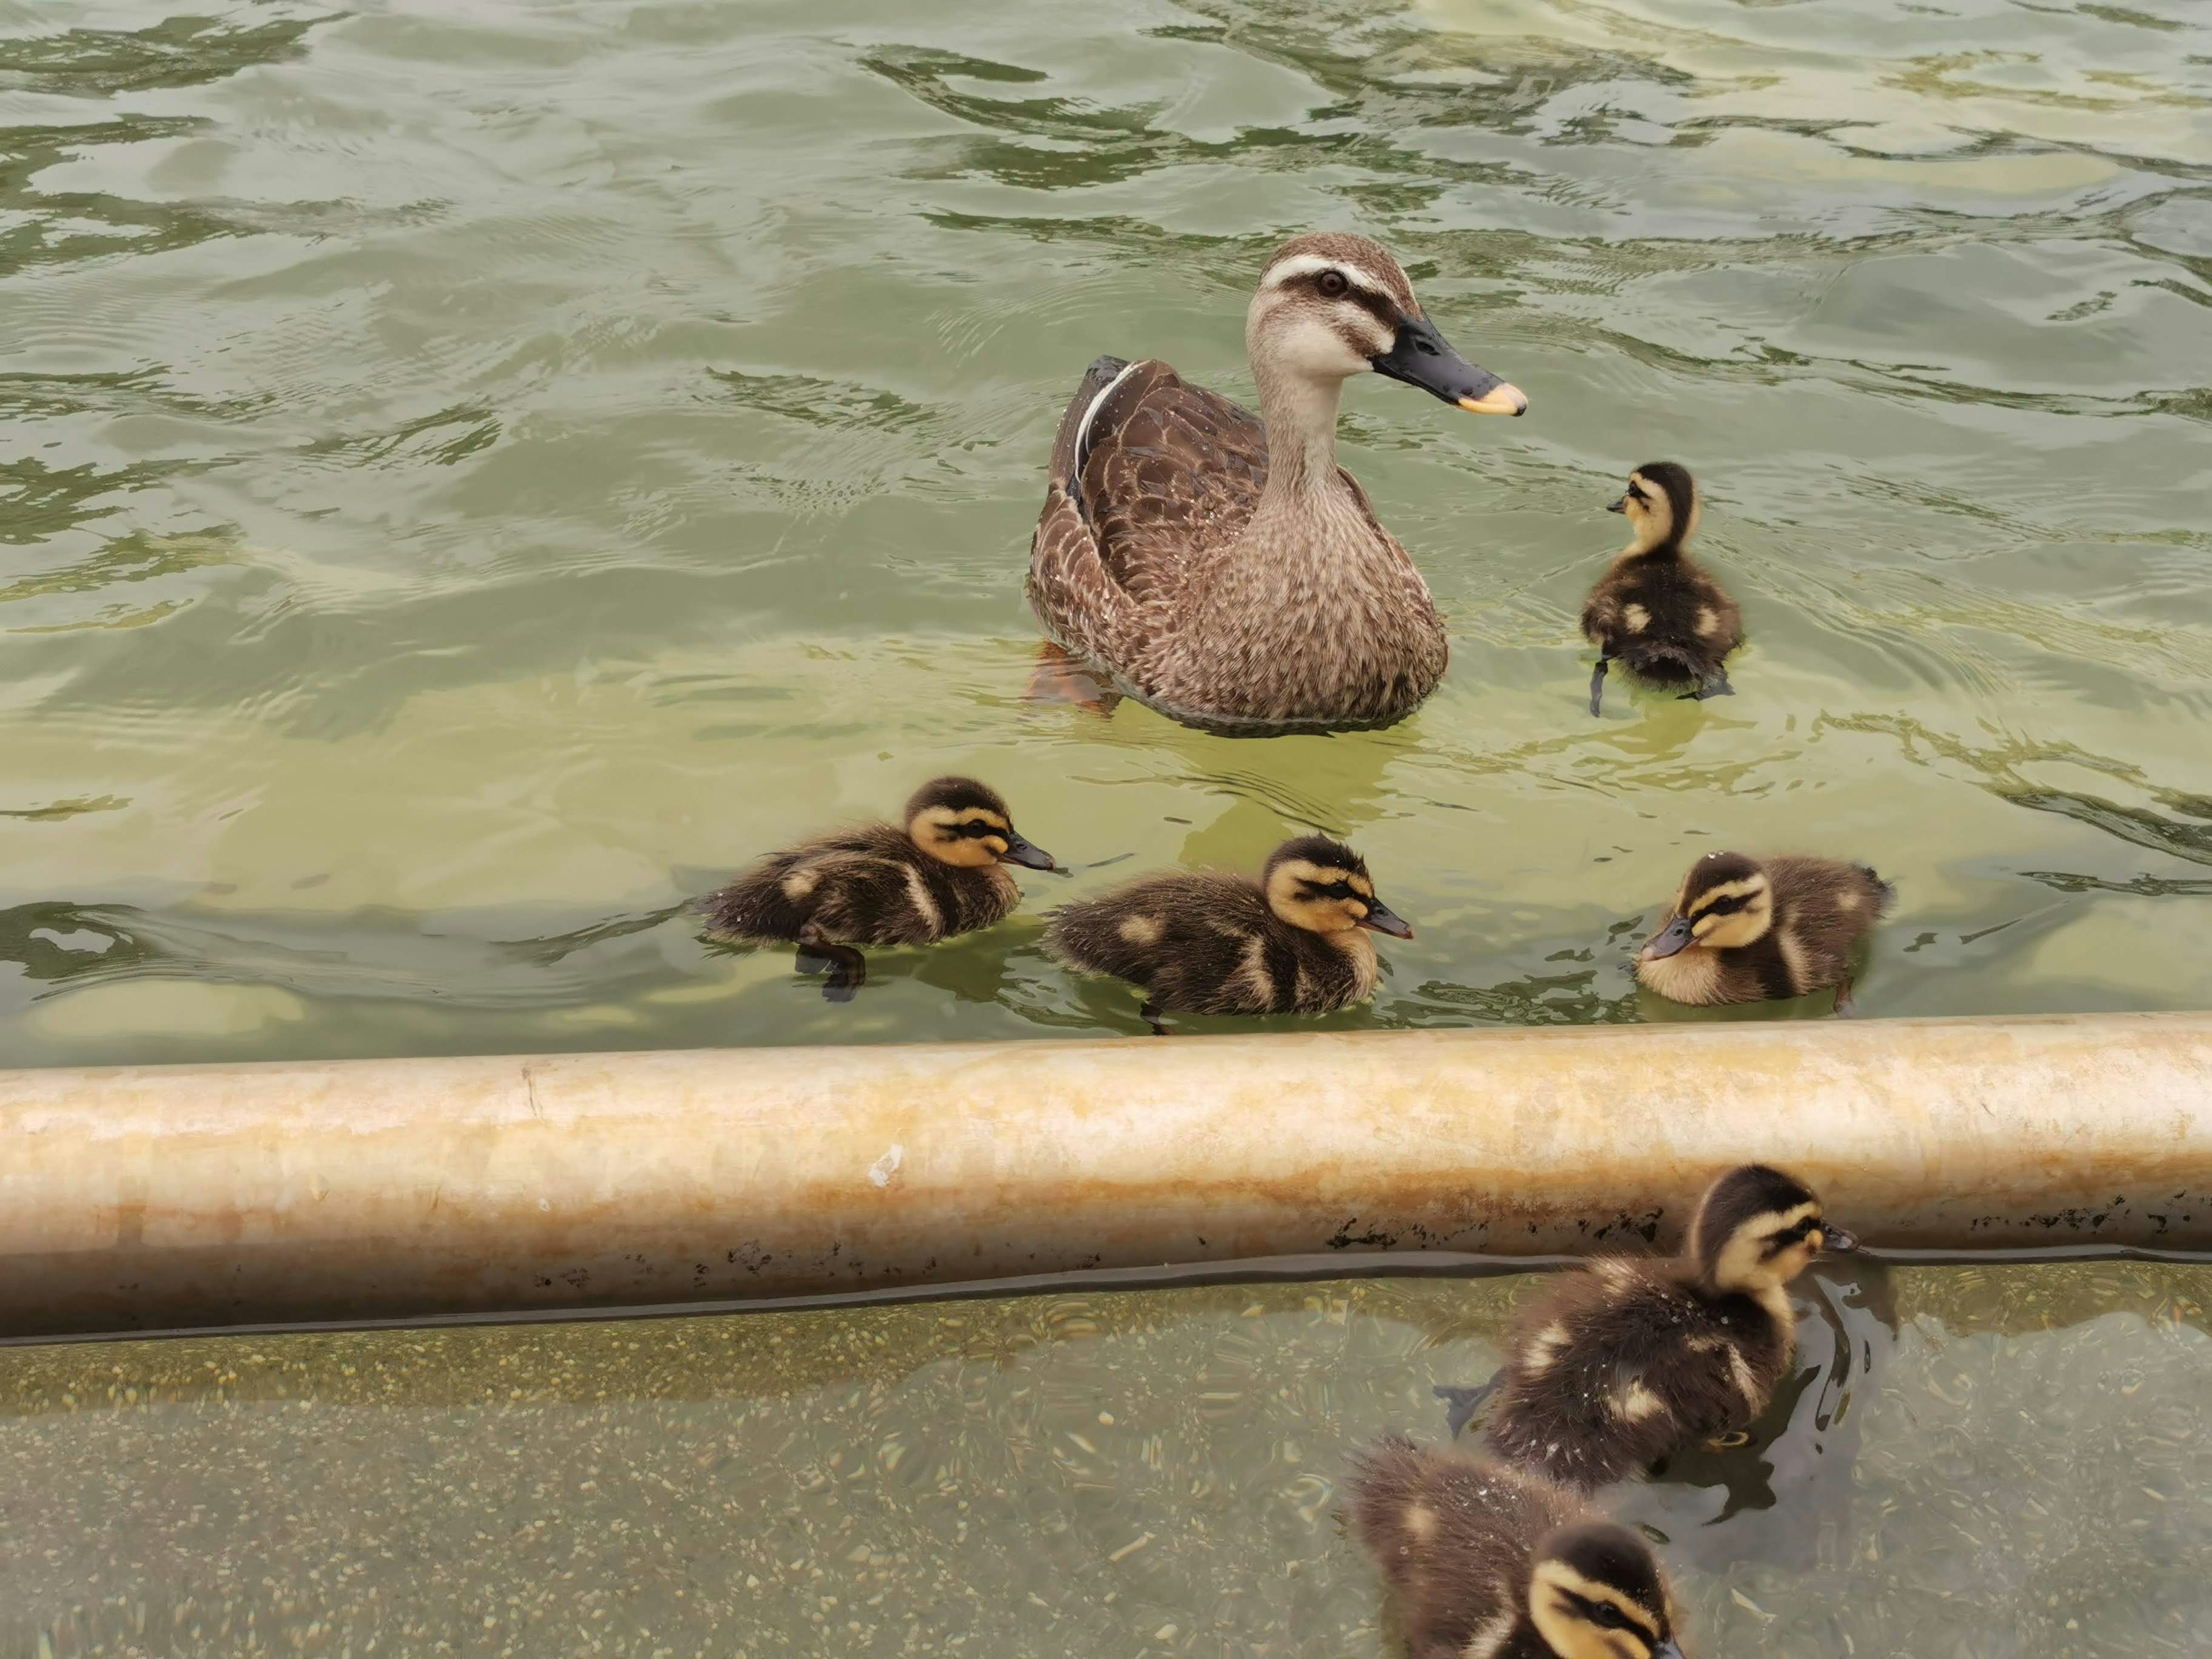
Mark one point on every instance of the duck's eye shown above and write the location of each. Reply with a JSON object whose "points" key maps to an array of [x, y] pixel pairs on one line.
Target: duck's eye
{"points": [[1605, 1616], [1333, 284]]}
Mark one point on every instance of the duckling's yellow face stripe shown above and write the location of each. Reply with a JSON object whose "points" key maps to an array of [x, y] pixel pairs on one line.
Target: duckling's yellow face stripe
{"points": [[1583, 1618], [1770, 1250], [968, 836], [1324, 898]]}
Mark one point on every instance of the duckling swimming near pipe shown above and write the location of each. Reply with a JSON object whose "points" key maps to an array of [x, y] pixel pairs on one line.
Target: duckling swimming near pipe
{"points": [[1628, 1360], [938, 873], [1295, 941], [1230, 573], [1656, 610], [1490, 1562], [1752, 930]]}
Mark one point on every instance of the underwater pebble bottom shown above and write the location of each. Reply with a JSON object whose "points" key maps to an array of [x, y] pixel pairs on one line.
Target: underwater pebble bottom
{"points": [[1143, 1473]]}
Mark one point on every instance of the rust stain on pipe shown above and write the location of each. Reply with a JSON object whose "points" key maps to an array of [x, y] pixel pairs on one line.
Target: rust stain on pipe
{"points": [[169, 1196]]}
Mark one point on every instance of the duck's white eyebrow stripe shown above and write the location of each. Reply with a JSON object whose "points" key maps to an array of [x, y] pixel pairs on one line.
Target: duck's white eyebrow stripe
{"points": [[1308, 264]]}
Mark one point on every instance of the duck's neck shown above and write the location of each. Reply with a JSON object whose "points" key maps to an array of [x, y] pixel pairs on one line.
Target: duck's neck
{"points": [[1300, 413]]}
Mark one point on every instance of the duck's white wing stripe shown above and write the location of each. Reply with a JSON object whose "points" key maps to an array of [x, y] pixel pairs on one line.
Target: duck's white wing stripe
{"points": [[1082, 432]]}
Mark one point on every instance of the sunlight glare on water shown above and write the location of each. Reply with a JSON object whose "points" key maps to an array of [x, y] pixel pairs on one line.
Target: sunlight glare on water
{"points": [[473, 477]]}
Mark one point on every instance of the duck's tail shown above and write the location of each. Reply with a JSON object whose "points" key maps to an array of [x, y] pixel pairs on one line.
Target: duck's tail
{"points": [[1885, 892]]}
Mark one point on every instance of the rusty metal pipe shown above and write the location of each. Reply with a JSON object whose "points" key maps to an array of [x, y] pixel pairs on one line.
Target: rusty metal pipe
{"points": [[161, 1197]]}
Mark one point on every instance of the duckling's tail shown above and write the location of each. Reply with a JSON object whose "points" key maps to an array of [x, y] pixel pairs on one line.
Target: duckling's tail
{"points": [[1662, 664]]}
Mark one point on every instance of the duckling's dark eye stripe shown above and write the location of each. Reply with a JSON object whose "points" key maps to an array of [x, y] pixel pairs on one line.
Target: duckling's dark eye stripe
{"points": [[1726, 907], [1604, 1615]]}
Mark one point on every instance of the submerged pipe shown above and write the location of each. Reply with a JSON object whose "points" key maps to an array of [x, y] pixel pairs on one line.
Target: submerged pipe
{"points": [[168, 1197]]}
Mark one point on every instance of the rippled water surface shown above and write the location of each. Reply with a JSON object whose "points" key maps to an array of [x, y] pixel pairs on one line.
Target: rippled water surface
{"points": [[473, 476], [2010, 1462]]}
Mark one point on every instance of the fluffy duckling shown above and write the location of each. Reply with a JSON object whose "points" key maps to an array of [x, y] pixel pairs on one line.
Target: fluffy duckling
{"points": [[938, 873], [1496, 1562], [1204, 943], [1657, 609], [1629, 1359], [1750, 930]]}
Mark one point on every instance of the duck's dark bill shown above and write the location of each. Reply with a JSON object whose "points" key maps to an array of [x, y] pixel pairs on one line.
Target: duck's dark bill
{"points": [[1676, 938], [1025, 852], [1618, 506], [1383, 920], [1666, 1650], [1421, 356], [1834, 1241]]}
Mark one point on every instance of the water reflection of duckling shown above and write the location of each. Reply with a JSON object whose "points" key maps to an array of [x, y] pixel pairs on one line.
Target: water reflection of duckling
{"points": [[1627, 1359], [1657, 609], [938, 873], [1750, 930], [1499, 1562], [1205, 943]]}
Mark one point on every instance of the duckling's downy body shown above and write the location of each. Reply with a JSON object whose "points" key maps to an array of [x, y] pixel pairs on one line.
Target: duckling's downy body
{"points": [[1750, 930], [1628, 1360], [1490, 1562], [1205, 943], [1227, 571], [1658, 611], [938, 873]]}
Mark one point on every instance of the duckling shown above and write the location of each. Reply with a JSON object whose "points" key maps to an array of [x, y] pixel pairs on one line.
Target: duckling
{"points": [[1658, 609], [1199, 942], [1225, 569], [1627, 1360], [1491, 1562], [936, 873], [1751, 930]]}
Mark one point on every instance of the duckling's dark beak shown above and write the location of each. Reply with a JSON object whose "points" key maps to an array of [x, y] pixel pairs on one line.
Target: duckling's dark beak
{"points": [[1383, 920], [1620, 506], [1027, 853], [1666, 1650], [1675, 939], [1420, 356], [1834, 1241]]}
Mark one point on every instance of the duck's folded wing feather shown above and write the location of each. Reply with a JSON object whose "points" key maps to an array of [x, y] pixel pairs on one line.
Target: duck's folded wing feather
{"points": [[1147, 472]]}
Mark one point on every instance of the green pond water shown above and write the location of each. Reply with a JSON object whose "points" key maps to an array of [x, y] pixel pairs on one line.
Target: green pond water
{"points": [[471, 478], [2000, 1462]]}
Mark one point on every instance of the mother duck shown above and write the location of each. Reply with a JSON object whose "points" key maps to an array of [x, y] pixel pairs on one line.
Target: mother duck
{"points": [[1224, 567]]}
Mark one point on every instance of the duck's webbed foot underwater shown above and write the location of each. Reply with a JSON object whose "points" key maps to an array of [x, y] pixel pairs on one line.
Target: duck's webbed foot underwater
{"points": [[1150, 1013], [1717, 686], [1461, 1404], [848, 970], [1845, 1008], [1061, 676], [1597, 686]]}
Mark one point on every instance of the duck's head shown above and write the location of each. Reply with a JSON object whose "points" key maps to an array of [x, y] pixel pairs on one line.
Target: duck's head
{"points": [[1662, 505], [1323, 886], [958, 821], [1727, 901], [1332, 305], [1595, 1592], [1757, 1229]]}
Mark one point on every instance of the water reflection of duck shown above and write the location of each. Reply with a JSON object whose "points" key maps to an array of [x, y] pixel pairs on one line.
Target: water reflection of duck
{"points": [[1493, 1560], [1209, 943], [938, 873], [1230, 573], [1628, 1360], [1657, 609], [1747, 929]]}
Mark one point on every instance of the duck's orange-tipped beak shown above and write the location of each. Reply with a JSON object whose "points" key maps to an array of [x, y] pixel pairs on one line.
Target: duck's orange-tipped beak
{"points": [[1503, 399]]}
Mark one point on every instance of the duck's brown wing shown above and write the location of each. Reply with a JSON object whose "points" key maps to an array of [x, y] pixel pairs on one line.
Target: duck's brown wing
{"points": [[1148, 471]]}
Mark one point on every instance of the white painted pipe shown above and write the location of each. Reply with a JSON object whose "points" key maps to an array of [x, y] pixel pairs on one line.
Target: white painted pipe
{"points": [[167, 1197]]}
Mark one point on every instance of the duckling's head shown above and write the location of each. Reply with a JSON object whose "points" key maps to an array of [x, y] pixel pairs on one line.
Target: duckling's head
{"points": [[958, 821], [1595, 1592], [1322, 885], [1727, 901], [1332, 305], [1662, 505], [1757, 1229]]}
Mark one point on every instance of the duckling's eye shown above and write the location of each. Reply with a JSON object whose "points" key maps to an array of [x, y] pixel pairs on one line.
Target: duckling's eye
{"points": [[1605, 1616], [1333, 284]]}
